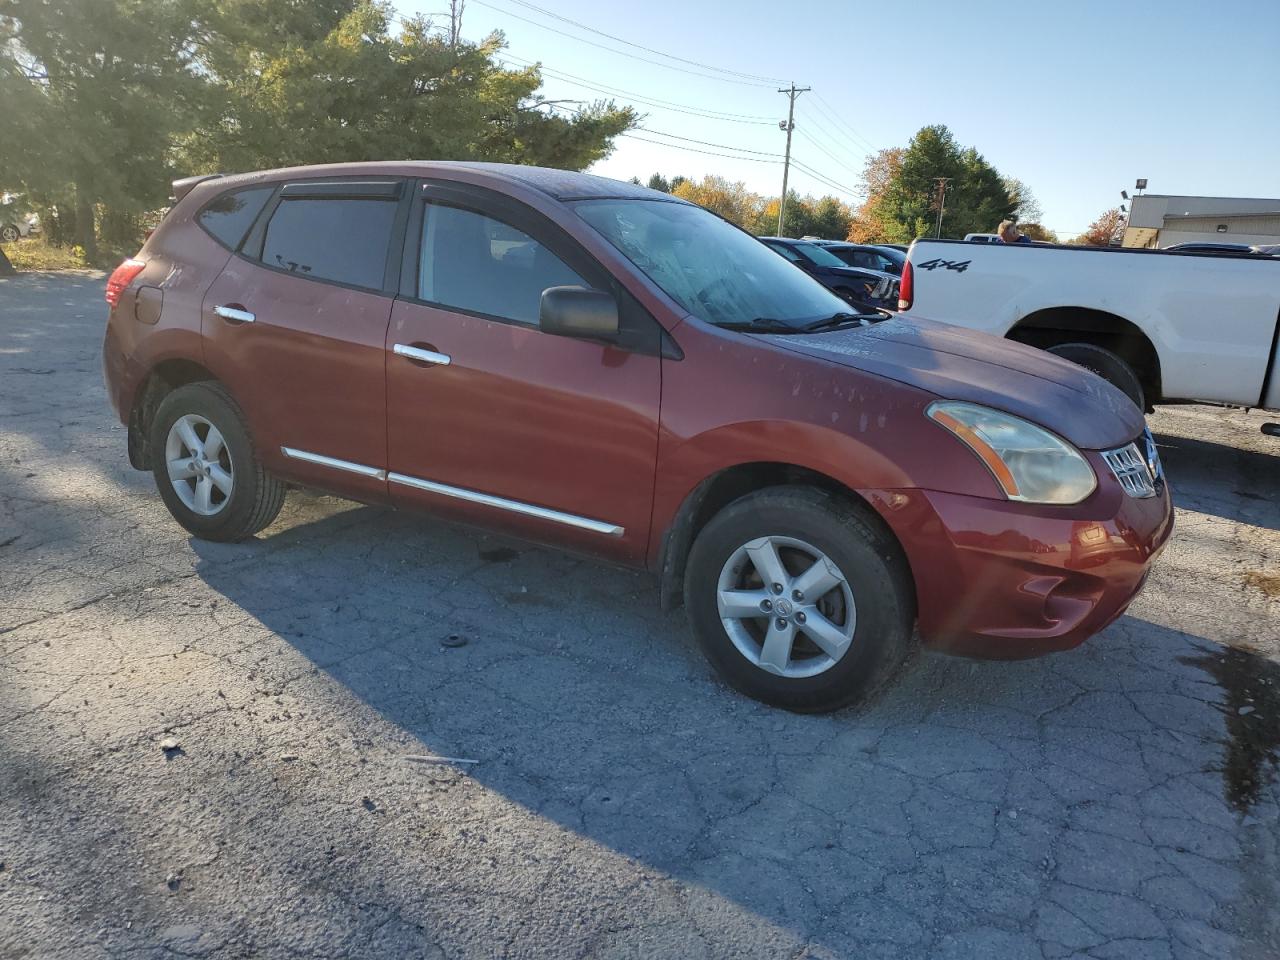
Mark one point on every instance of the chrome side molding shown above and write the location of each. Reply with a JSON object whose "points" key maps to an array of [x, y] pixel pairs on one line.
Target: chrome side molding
{"points": [[358, 468], [458, 493], [513, 506]]}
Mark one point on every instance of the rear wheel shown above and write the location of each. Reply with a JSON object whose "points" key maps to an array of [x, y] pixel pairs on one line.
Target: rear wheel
{"points": [[798, 601], [205, 466], [9, 233], [1109, 366]]}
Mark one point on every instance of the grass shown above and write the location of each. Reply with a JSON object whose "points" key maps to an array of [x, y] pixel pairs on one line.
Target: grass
{"points": [[38, 255], [1268, 583]]}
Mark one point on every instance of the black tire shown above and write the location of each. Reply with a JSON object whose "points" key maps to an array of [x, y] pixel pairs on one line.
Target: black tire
{"points": [[9, 234], [870, 562], [256, 496], [1109, 366]]}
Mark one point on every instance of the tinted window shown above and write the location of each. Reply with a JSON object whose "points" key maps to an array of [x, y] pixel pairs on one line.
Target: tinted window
{"points": [[476, 263], [784, 250], [342, 240], [819, 255], [230, 216]]}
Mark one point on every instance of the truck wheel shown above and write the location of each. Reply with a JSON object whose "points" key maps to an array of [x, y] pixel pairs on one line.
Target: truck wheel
{"points": [[9, 233], [205, 466], [798, 601], [1109, 366]]}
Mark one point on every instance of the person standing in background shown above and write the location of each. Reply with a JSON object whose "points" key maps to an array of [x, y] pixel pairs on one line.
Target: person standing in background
{"points": [[1009, 233]]}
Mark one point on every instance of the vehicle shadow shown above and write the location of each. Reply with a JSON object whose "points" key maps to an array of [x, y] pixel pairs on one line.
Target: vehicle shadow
{"points": [[586, 706], [1231, 482]]}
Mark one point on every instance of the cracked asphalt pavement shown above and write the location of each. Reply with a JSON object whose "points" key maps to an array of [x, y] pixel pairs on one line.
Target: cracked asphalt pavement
{"points": [[208, 750]]}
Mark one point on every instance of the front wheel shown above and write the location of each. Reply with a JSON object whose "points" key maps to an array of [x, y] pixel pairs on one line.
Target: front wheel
{"points": [[205, 466], [9, 234], [798, 601]]}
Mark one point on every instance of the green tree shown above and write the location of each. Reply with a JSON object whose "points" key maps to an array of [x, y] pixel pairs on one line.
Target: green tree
{"points": [[362, 91], [104, 102], [94, 94], [659, 182], [907, 205]]}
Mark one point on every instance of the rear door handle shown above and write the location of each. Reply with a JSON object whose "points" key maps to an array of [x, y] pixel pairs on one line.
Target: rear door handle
{"points": [[234, 314], [421, 355]]}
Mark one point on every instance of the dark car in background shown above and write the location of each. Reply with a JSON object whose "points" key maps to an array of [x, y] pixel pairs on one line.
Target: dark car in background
{"points": [[868, 290], [868, 256]]}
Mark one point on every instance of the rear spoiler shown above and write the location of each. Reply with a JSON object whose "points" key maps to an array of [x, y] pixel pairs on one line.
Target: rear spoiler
{"points": [[184, 186]]}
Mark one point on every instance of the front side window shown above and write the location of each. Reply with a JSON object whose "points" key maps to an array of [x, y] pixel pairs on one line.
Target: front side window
{"points": [[343, 240], [229, 216], [475, 263], [715, 271]]}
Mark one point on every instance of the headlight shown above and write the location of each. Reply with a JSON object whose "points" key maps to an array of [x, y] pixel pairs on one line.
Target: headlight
{"points": [[1029, 462]]}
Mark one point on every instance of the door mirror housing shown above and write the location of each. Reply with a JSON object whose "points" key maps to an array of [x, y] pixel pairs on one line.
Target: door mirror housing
{"points": [[578, 312]]}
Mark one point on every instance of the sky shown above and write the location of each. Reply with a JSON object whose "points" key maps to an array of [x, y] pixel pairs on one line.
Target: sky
{"points": [[1077, 99]]}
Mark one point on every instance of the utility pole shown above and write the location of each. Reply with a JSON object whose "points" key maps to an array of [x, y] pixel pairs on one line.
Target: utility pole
{"points": [[942, 202], [788, 125]]}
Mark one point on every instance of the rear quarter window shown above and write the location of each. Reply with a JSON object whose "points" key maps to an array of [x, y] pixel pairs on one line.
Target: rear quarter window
{"points": [[229, 216], [343, 240]]}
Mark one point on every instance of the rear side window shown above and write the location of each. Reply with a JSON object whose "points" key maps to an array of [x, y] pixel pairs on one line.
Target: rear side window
{"points": [[479, 264], [229, 216], [343, 240]]}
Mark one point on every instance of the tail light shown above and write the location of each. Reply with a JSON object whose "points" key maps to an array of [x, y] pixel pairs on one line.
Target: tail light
{"points": [[906, 287], [121, 277]]}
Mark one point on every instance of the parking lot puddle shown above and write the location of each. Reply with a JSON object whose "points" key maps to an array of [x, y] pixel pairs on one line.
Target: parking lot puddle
{"points": [[1252, 713]]}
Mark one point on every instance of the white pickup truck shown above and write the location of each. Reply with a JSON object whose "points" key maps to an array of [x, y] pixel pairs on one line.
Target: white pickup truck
{"points": [[1163, 327]]}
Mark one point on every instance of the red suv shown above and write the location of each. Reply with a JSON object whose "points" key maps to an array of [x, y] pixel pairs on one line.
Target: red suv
{"points": [[614, 371]]}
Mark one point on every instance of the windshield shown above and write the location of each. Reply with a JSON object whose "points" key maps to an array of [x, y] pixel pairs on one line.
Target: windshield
{"points": [[714, 270], [816, 254]]}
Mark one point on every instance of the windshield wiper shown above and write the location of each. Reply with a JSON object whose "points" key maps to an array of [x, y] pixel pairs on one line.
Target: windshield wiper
{"points": [[762, 325], [838, 320]]}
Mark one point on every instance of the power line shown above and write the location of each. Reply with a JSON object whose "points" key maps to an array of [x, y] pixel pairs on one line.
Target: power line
{"points": [[825, 180], [676, 146], [622, 53], [608, 90], [836, 119], [638, 46], [722, 146], [813, 141]]}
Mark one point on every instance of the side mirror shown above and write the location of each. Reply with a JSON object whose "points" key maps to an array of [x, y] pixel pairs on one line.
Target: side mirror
{"points": [[578, 312]]}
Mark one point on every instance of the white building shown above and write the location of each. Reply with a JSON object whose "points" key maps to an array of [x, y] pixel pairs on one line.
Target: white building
{"points": [[1158, 220]]}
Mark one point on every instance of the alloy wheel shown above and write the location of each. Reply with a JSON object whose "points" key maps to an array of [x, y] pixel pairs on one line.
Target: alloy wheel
{"points": [[786, 606], [199, 465]]}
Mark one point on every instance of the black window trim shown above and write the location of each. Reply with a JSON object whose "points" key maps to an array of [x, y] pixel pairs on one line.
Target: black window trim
{"points": [[646, 336], [391, 189]]}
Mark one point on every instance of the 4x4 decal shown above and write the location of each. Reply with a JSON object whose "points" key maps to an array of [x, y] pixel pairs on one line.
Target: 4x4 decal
{"points": [[959, 266]]}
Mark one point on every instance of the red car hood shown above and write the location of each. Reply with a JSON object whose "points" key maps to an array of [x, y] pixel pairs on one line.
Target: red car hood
{"points": [[957, 364]]}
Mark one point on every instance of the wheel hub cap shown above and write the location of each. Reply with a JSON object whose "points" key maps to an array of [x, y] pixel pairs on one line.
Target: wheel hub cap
{"points": [[786, 606], [199, 465]]}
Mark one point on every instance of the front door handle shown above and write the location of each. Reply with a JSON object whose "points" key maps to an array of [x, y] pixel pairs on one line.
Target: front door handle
{"points": [[421, 355], [234, 314]]}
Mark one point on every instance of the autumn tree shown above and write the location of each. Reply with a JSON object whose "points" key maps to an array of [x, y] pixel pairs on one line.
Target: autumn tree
{"points": [[1037, 232], [880, 173], [730, 199], [1103, 231]]}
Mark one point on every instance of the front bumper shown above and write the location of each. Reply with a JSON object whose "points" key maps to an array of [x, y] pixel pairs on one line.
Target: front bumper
{"points": [[1006, 580]]}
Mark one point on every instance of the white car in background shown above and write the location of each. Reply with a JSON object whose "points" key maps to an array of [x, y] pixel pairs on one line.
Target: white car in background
{"points": [[16, 222]]}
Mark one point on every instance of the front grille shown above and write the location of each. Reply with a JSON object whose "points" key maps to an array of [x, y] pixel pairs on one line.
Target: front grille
{"points": [[1132, 470]]}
